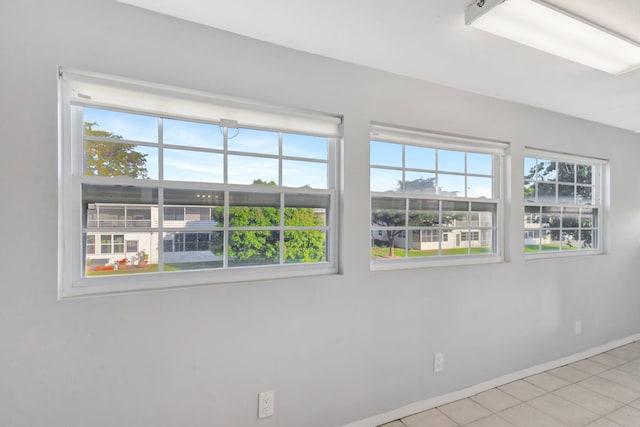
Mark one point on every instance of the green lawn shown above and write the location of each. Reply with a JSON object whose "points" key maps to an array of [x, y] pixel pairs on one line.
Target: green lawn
{"points": [[382, 252], [548, 247], [153, 268]]}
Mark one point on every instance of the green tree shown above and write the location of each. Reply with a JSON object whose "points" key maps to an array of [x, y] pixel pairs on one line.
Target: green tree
{"points": [[396, 218], [112, 159], [263, 246], [546, 172]]}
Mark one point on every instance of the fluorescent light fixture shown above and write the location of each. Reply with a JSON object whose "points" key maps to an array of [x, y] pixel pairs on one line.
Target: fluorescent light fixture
{"points": [[540, 25]]}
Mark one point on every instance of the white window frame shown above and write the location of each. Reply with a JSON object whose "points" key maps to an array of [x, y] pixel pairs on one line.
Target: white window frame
{"points": [[80, 88], [422, 138], [598, 194]]}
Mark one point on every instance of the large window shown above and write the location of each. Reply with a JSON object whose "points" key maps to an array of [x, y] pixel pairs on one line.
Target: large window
{"points": [[188, 183], [563, 203], [434, 198]]}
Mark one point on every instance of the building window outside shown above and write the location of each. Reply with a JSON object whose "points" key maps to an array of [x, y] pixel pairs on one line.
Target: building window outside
{"points": [[563, 203], [132, 246], [441, 190], [91, 245], [199, 194]]}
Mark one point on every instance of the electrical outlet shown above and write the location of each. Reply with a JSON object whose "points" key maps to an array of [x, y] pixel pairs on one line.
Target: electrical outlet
{"points": [[438, 362], [578, 327], [266, 403]]}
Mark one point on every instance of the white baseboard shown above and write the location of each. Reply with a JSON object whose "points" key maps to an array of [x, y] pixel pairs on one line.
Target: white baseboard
{"points": [[433, 402]]}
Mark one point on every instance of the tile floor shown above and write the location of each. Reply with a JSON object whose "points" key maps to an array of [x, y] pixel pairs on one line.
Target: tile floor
{"points": [[602, 391]]}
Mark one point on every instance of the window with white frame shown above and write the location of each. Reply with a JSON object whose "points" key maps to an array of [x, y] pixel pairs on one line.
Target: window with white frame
{"points": [[563, 203], [190, 188], [442, 191]]}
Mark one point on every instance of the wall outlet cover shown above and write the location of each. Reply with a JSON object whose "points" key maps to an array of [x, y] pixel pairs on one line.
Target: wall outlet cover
{"points": [[266, 404]]}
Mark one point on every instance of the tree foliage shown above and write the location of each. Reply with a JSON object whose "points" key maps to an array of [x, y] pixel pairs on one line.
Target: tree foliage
{"points": [[112, 159], [397, 218], [546, 172], [263, 246]]}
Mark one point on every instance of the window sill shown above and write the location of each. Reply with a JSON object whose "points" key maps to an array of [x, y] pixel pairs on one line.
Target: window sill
{"points": [[531, 256], [144, 282], [406, 264]]}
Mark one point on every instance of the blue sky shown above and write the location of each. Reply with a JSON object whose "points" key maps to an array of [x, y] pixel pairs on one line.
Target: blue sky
{"points": [[187, 165], [389, 154]]}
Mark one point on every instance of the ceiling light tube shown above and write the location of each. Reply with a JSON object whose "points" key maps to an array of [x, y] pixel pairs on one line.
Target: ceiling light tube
{"points": [[542, 26]]}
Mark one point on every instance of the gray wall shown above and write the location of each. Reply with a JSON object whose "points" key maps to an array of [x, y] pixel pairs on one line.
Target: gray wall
{"points": [[334, 348]]}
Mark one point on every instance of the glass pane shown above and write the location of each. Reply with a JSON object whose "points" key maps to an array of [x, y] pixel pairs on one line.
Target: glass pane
{"points": [[584, 174], [479, 187], [531, 217], [388, 244], [115, 159], [457, 242], [385, 154], [483, 215], [105, 206], [451, 185], [304, 174], [385, 180], [174, 196], [424, 242], [546, 170], [254, 209], [549, 240], [588, 239], [253, 248], [584, 195], [589, 218], [192, 166], [570, 217], [550, 217], [194, 134], [420, 182], [312, 147], [530, 168], [529, 191], [252, 170], [193, 251], [252, 141], [566, 193], [420, 157], [306, 210], [570, 239], [305, 246], [566, 172], [451, 161], [546, 192], [110, 216], [424, 213], [193, 208], [485, 244], [455, 214], [138, 216], [532, 240], [118, 125], [387, 211], [90, 243], [105, 244], [111, 256], [481, 164]]}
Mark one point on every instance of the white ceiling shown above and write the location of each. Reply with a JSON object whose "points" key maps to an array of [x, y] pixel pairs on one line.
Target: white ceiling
{"points": [[427, 39]]}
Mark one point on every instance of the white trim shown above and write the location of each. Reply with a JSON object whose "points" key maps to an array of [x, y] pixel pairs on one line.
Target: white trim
{"points": [[411, 136], [441, 141], [436, 401], [555, 155], [106, 91], [434, 261], [73, 282]]}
